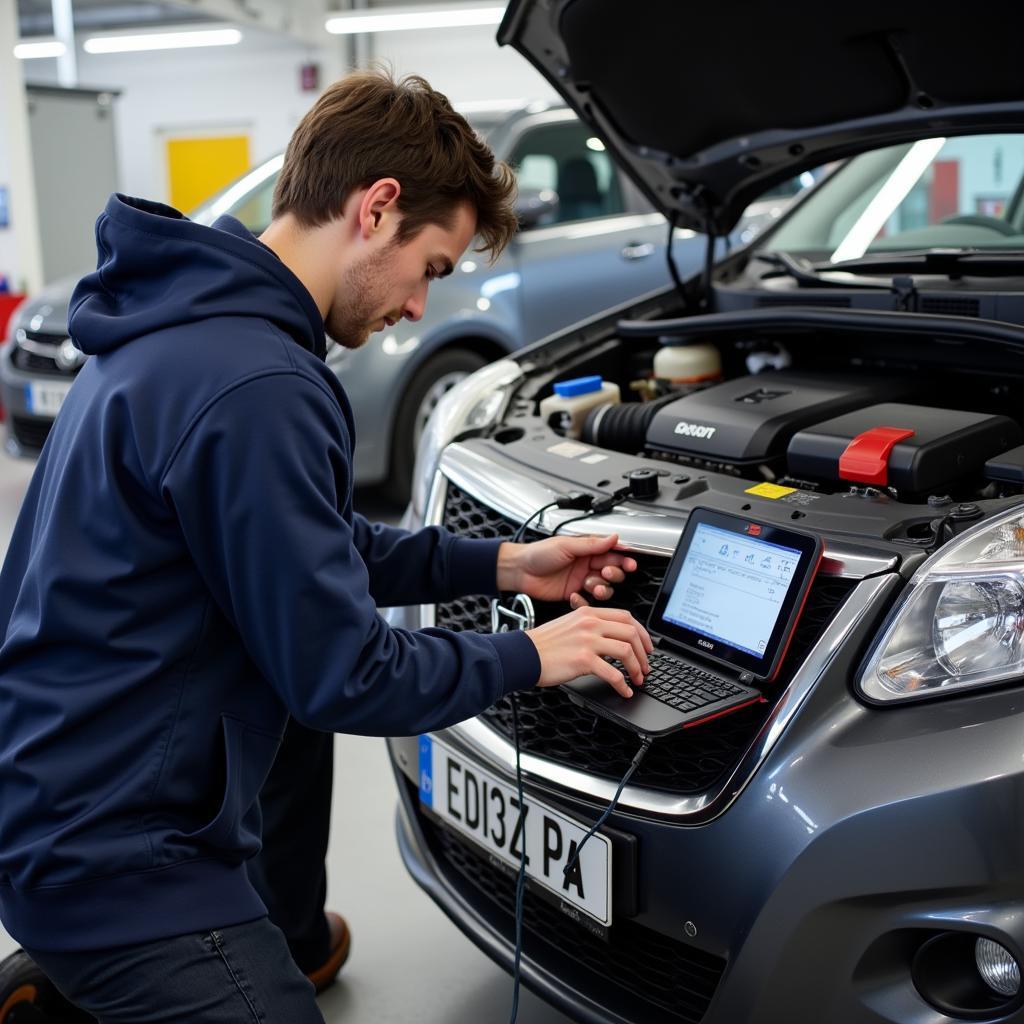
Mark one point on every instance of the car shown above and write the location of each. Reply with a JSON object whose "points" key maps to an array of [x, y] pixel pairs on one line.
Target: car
{"points": [[586, 230], [844, 850]]}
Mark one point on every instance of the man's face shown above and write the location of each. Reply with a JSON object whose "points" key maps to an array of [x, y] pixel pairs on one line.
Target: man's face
{"points": [[390, 280]]}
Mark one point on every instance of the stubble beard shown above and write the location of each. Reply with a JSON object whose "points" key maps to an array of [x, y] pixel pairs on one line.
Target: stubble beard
{"points": [[358, 301]]}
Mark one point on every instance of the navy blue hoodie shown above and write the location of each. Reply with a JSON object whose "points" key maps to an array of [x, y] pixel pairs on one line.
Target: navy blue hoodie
{"points": [[185, 573]]}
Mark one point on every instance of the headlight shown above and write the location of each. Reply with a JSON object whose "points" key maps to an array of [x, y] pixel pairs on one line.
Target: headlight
{"points": [[473, 404], [960, 624]]}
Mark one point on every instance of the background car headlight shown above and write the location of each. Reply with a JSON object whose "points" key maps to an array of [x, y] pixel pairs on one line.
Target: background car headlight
{"points": [[960, 624], [473, 404]]}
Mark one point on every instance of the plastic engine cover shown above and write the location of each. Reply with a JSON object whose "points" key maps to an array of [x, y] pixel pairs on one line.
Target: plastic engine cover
{"points": [[932, 448], [751, 419]]}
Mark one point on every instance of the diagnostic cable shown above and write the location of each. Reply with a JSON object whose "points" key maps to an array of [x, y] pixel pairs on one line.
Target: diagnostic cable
{"points": [[590, 507]]}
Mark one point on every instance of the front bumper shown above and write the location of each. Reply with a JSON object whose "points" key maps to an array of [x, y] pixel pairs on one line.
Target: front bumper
{"points": [[860, 835], [26, 431]]}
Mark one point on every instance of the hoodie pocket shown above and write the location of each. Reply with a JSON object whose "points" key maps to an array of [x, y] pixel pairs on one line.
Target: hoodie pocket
{"points": [[248, 757]]}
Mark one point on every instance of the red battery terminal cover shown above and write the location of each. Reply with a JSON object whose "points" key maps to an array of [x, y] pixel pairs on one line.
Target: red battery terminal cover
{"points": [[866, 459]]}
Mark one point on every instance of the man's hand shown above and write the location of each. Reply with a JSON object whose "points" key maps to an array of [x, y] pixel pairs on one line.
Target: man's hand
{"points": [[558, 568], [576, 644]]}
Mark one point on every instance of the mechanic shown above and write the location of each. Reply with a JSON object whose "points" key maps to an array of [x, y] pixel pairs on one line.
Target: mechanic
{"points": [[187, 570]]}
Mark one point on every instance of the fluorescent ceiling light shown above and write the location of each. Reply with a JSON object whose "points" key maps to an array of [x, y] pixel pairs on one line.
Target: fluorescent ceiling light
{"points": [[399, 19], [43, 48], [162, 41], [889, 196]]}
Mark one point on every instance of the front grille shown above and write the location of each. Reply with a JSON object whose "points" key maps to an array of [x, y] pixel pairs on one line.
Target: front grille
{"points": [[552, 726], [45, 362], [659, 980], [35, 363], [30, 433]]}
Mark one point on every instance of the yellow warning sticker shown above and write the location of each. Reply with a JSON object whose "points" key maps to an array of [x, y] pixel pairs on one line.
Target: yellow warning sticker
{"points": [[770, 491]]}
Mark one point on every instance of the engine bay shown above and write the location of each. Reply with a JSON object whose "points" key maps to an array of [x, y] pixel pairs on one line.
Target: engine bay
{"points": [[821, 433], [883, 439]]}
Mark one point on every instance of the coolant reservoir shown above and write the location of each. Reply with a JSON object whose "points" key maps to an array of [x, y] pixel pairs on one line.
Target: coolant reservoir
{"points": [[567, 408], [687, 362]]}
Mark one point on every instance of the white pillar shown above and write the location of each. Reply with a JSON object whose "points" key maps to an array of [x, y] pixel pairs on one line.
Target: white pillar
{"points": [[17, 158], [64, 30]]}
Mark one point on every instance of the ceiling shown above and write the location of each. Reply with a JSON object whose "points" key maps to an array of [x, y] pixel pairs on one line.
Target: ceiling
{"points": [[36, 19]]}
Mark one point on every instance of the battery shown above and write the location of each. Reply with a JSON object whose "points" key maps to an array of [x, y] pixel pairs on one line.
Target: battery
{"points": [[1007, 467], [914, 448]]}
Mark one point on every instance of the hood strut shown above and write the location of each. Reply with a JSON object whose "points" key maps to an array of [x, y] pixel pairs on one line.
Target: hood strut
{"points": [[697, 297]]}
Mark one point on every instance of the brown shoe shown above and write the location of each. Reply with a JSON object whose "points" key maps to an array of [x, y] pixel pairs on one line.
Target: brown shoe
{"points": [[341, 941]]}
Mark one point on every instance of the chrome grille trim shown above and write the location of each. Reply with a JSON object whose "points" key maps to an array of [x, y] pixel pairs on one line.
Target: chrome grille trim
{"points": [[479, 739], [516, 496], [497, 752]]}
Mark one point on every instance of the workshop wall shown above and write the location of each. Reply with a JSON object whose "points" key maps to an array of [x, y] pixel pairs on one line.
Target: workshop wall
{"points": [[466, 64], [255, 86]]}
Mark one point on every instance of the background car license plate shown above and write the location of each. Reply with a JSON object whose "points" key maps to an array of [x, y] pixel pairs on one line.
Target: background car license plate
{"points": [[45, 399], [480, 806]]}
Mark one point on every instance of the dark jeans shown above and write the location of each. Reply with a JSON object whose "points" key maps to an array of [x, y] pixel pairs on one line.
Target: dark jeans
{"points": [[241, 973], [237, 975], [290, 874]]}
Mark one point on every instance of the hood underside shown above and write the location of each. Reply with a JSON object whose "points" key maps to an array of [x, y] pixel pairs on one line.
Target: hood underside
{"points": [[706, 106]]}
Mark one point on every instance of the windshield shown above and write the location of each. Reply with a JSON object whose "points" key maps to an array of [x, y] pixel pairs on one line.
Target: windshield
{"points": [[956, 193]]}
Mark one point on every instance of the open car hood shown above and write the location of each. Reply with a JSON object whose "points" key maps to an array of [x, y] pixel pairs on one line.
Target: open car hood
{"points": [[707, 105]]}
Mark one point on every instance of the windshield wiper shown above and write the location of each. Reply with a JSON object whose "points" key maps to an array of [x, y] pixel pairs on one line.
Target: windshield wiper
{"points": [[951, 263], [809, 274]]}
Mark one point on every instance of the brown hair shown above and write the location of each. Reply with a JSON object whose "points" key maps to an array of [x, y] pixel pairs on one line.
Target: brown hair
{"points": [[369, 126]]}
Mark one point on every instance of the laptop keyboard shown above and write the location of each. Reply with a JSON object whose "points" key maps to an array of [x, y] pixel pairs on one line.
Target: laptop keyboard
{"points": [[684, 686]]}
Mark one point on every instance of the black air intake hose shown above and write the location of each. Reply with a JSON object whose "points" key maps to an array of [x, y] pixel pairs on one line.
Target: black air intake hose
{"points": [[623, 428]]}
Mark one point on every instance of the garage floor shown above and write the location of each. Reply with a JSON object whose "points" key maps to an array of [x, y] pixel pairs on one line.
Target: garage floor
{"points": [[408, 962]]}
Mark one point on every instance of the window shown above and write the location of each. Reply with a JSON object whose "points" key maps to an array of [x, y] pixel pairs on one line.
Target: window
{"points": [[568, 159], [249, 199], [962, 192]]}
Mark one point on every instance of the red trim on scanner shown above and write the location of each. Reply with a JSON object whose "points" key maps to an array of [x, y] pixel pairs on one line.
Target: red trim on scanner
{"points": [[792, 632], [725, 711], [866, 459]]}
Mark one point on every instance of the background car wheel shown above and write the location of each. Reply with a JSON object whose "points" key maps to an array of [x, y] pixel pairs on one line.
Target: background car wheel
{"points": [[432, 381], [27, 996]]}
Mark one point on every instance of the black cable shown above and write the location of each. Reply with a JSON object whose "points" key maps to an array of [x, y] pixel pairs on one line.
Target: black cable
{"points": [[634, 764], [576, 501], [592, 507], [596, 509], [521, 877], [518, 535], [672, 268], [709, 266], [940, 530], [520, 882], [575, 519]]}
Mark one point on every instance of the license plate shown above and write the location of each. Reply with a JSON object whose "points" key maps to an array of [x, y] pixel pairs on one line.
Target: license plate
{"points": [[474, 802], [45, 399]]}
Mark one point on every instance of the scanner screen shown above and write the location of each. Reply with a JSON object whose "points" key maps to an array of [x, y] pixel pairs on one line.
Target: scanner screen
{"points": [[731, 588]]}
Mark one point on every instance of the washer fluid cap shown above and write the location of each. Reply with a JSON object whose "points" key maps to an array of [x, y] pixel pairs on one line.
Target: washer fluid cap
{"points": [[578, 386]]}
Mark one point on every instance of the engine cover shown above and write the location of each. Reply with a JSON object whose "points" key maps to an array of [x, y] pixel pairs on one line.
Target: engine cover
{"points": [[933, 448], [751, 419]]}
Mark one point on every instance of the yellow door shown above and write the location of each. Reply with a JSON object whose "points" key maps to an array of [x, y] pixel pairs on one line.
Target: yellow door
{"points": [[198, 167]]}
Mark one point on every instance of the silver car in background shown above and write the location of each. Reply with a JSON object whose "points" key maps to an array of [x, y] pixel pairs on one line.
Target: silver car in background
{"points": [[587, 236]]}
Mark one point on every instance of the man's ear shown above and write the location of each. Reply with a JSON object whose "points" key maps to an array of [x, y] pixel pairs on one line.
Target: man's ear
{"points": [[378, 205]]}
